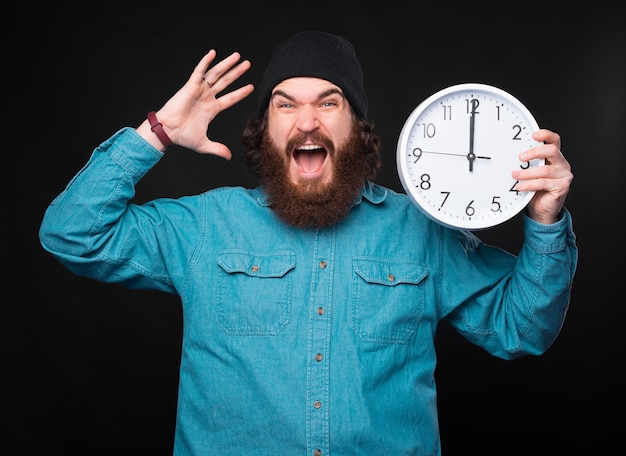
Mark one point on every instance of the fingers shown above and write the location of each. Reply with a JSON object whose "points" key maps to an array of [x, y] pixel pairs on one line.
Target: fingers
{"points": [[234, 97], [548, 137], [555, 175], [222, 75], [551, 181], [224, 72], [203, 64], [550, 150], [216, 79], [187, 115]]}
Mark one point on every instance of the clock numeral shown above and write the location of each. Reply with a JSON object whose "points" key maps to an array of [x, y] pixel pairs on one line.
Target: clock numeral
{"points": [[518, 130], [471, 105], [495, 205], [424, 182], [525, 165], [417, 153], [447, 112], [445, 198], [429, 130], [514, 189], [469, 210]]}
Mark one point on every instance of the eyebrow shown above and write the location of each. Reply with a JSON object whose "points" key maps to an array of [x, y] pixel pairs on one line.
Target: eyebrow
{"points": [[332, 91]]}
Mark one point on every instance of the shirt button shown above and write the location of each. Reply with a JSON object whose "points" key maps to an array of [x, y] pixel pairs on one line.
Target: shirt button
{"points": [[318, 357], [320, 311], [317, 404], [255, 268], [391, 277], [317, 452], [323, 264]]}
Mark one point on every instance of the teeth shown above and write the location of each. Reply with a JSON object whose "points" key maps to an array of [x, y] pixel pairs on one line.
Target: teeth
{"points": [[309, 147]]}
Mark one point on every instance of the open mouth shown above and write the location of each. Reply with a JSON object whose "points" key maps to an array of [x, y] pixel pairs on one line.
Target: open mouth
{"points": [[310, 159]]}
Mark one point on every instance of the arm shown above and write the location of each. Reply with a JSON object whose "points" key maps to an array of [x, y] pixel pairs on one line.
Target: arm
{"points": [[511, 305], [93, 230], [522, 310]]}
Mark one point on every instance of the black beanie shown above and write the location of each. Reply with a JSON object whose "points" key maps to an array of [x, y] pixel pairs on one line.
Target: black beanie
{"points": [[318, 55]]}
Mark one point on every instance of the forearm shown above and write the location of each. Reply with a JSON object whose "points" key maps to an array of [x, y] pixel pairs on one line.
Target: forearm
{"points": [[522, 311], [548, 258]]}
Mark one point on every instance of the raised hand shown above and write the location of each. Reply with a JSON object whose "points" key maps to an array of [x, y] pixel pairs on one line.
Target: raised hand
{"points": [[187, 114]]}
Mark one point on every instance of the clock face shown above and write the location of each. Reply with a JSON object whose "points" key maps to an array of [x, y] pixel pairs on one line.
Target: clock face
{"points": [[456, 153]]}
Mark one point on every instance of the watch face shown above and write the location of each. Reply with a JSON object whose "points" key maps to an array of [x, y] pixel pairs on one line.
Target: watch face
{"points": [[456, 153]]}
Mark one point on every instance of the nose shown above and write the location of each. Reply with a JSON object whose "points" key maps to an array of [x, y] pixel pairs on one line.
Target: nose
{"points": [[307, 120]]}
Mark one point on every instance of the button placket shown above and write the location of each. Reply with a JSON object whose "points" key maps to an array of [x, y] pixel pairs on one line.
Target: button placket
{"points": [[319, 343]]}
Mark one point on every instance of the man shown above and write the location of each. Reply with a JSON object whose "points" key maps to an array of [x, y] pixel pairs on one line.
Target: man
{"points": [[310, 304]]}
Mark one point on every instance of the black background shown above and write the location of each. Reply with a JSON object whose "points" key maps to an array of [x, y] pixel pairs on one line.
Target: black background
{"points": [[90, 368]]}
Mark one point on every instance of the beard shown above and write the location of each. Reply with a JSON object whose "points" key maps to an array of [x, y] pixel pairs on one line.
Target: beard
{"points": [[315, 204]]}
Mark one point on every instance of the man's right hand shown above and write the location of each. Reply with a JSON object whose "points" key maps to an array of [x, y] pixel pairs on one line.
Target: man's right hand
{"points": [[186, 116]]}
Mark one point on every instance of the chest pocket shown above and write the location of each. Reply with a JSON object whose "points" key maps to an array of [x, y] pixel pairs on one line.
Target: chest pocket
{"points": [[388, 301], [254, 292]]}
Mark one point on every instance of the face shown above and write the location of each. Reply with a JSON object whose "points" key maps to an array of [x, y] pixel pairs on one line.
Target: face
{"points": [[313, 167], [309, 119]]}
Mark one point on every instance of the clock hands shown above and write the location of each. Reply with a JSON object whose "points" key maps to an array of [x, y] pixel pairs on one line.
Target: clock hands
{"points": [[471, 156]]}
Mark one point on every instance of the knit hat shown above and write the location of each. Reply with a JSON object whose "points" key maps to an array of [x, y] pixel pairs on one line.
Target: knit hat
{"points": [[319, 55]]}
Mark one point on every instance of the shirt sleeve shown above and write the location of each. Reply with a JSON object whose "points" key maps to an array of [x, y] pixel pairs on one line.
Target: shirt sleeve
{"points": [[511, 305], [91, 228]]}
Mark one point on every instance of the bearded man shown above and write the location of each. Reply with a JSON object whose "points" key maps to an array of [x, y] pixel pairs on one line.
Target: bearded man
{"points": [[310, 303]]}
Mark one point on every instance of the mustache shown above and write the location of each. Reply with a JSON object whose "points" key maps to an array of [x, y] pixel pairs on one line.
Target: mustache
{"points": [[315, 137]]}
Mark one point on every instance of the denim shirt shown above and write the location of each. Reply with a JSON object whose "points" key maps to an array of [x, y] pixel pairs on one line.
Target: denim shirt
{"points": [[308, 342]]}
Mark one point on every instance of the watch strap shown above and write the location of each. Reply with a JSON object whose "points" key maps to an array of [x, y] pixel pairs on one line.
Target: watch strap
{"points": [[157, 129]]}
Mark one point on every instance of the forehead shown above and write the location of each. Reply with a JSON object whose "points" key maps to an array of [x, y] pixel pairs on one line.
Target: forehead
{"points": [[306, 88]]}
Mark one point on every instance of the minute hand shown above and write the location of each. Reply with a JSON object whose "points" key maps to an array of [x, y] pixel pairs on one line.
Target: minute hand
{"points": [[454, 155], [471, 156]]}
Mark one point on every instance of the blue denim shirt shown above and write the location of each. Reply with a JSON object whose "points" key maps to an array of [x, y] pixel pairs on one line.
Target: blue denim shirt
{"points": [[304, 342]]}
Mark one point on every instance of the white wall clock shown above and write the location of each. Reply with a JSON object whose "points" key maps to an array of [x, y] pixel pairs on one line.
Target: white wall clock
{"points": [[457, 150]]}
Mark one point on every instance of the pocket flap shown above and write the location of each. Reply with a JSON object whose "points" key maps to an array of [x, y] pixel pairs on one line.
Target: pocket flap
{"points": [[388, 271], [257, 264]]}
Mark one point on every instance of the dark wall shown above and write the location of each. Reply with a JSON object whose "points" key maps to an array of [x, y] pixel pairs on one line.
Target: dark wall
{"points": [[92, 368]]}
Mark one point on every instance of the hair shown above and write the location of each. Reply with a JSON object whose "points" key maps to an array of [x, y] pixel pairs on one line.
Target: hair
{"points": [[254, 130]]}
